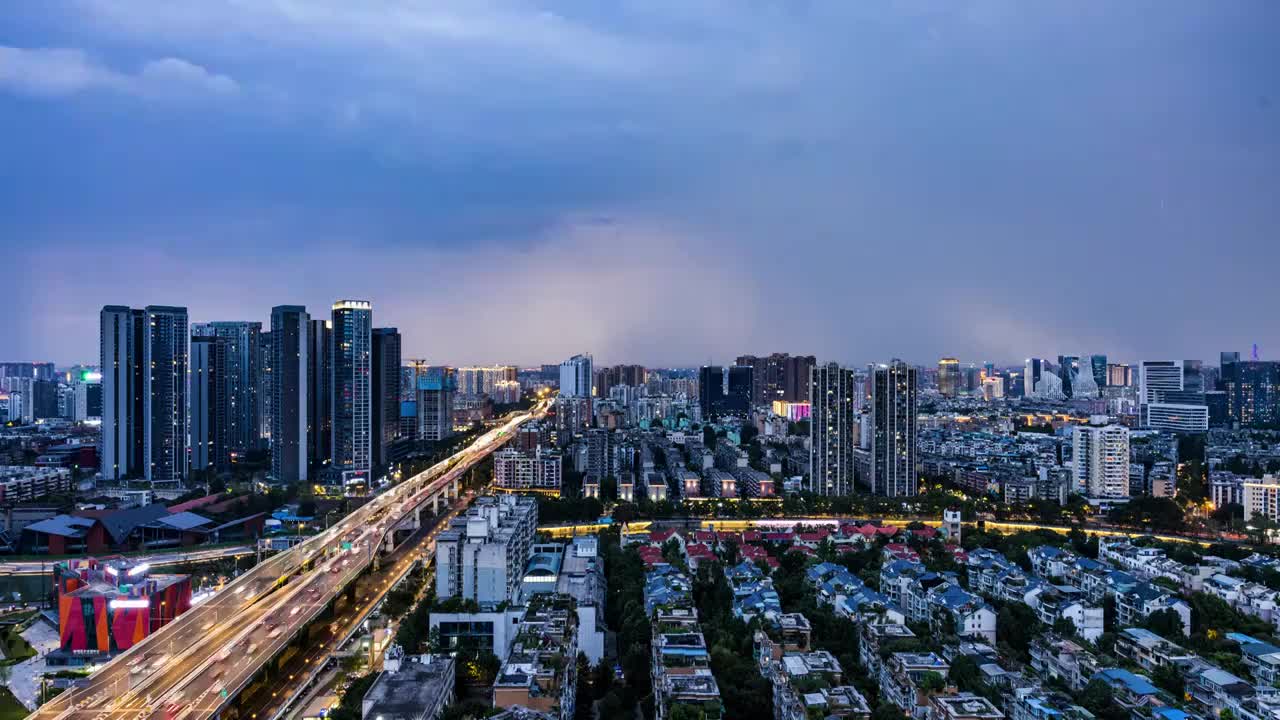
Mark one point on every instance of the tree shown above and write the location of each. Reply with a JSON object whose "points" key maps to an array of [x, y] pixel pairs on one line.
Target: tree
{"points": [[886, 711], [931, 682], [1169, 678], [965, 675], [1165, 623], [1016, 626]]}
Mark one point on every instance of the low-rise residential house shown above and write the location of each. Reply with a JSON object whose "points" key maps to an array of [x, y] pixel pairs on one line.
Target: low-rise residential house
{"points": [[1055, 602], [540, 672], [874, 635], [896, 577], [1262, 658], [1135, 605], [1037, 704], [1051, 562], [1149, 651], [1055, 657], [964, 706], [900, 679], [1215, 688], [952, 609], [1128, 689]]}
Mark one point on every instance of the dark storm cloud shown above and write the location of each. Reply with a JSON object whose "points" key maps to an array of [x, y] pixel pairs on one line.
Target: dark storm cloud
{"points": [[664, 182]]}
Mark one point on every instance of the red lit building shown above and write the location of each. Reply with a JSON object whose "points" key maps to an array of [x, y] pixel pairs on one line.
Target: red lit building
{"points": [[106, 606]]}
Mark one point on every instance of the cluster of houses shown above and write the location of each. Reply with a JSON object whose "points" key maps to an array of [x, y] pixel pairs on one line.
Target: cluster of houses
{"points": [[958, 605]]}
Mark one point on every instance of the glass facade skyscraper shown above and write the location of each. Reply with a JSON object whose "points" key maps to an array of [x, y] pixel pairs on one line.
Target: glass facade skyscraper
{"points": [[352, 372]]}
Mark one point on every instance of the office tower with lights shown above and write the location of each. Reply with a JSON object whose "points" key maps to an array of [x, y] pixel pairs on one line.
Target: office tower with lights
{"points": [[576, 377], [949, 377], [1031, 376], [120, 357], [833, 429], [319, 392], [241, 382], [386, 392], [164, 359], [893, 436], [1101, 460], [290, 365], [265, 395], [210, 414], [352, 385]]}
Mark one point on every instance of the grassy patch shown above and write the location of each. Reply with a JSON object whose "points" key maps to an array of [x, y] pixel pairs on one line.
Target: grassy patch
{"points": [[10, 708]]}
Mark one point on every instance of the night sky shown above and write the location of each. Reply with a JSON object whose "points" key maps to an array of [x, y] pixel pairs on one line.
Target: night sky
{"points": [[656, 181]]}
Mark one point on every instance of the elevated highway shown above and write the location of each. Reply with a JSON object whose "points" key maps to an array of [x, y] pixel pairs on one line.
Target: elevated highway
{"points": [[193, 667]]}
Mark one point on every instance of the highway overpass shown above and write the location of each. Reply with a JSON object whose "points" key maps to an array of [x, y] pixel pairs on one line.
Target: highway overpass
{"points": [[192, 668]]}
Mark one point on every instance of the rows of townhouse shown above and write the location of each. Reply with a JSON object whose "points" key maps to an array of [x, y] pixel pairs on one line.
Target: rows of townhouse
{"points": [[680, 664]]}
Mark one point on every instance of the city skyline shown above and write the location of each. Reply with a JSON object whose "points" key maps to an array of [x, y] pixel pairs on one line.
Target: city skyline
{"points": [[1060, 187]]}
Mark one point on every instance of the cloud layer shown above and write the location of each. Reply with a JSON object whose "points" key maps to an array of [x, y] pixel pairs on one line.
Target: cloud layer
{"points": [[670, 181], [63, 71]]}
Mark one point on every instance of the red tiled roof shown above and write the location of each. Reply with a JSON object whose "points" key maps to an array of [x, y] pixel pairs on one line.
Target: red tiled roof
{"points": [[888, 530], [698, 550], [925, 532], [751, 536], [661, 536]]}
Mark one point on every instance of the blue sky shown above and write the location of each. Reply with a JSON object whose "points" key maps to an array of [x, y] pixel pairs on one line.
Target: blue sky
{"points": [[659, 181]]}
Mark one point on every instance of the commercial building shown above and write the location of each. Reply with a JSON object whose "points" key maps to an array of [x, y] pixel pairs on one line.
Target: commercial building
{"points": [[1261, 498], [385, 392], [833, 425], [290, 383], [483, 554], [434, 406], [576, 377], [319, 391], [1069, 374], [120, 342], [105, 607], [209, 411], [352, 372], [949, 377], [1031, 376], [240, 382], [1253, 391], [1177, 417], [893, 437], [1101, 457], [539, 470], [410, 688]]}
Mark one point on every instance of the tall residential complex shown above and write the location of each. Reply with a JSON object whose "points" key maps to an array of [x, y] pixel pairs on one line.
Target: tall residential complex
{"points": [[352, 386], [319, 392], [482, 380], [779, 376], [164, 398], [1101, 457], [833, 432], [120, 357], [290, 327], [893, 436], [576, 377], [949, 377], [210, 414], [386, 392], [483, 554], [738, 383], [240, 383]]}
